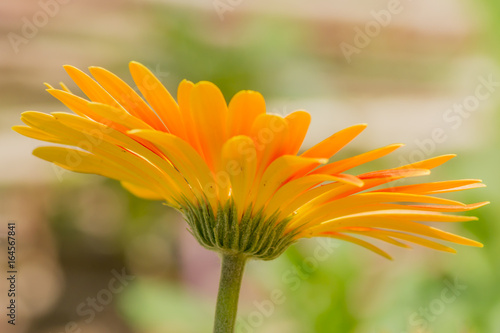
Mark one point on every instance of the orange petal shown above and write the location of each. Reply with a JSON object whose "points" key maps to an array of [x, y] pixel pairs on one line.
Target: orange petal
{"points": [[244, 108], [395, 173], [240, 164], [126, 97], [92, 89], [437, 187], [430, 163], [315, 211], [386, 235], [82, 108], [183, 98], [349, 163], [278, 173], [330, 146], [185, 159], [269, 133], [394, 224], [210, 118], [282, 199], [298, 124], [158, 97]]}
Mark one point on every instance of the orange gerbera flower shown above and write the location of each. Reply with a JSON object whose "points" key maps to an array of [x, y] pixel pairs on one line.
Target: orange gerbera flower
{"points": [[233, 170]]}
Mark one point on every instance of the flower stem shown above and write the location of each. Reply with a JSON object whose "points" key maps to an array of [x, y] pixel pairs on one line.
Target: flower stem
{"points": [[229, 291]]}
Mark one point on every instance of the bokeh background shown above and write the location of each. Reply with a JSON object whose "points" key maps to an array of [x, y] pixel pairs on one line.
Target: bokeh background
{"points": [[405, 67]]}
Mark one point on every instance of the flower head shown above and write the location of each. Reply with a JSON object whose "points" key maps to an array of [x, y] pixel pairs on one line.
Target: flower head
{"points": [[233, 170]]}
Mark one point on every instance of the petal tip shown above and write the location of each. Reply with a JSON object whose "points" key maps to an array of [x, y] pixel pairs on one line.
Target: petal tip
{"points": [[70, 68], [96, 69], [17, 129], [185, 81]]}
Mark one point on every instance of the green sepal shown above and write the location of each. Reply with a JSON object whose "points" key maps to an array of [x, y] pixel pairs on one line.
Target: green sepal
{"points": [[255, 235]]}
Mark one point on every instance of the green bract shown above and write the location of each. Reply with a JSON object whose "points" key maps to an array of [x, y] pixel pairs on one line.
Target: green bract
{"points": [[254, 236]]}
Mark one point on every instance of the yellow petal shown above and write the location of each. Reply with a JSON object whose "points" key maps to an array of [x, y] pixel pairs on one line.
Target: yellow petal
{"points": [[374, 179], [82, 108], [103, 140], [448, 208], [185, 159], [307, 197], [404, 215], [64, 87], [359, 242], [240, 164], [126, 97], [419, 240], [158, 97], [386, 235], [348, 179], [48, 125], [375, 233], [91, 88], [36, 134], [142, 192], [390, 223], [80, 161], [362, 202], [118, 116]]}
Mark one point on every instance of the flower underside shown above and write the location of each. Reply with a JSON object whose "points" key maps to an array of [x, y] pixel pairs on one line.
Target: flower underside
{"points": [[253, 235], [233, 170]]}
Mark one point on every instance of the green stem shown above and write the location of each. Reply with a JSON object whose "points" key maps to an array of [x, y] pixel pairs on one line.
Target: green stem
{"points": [[229, 291]]}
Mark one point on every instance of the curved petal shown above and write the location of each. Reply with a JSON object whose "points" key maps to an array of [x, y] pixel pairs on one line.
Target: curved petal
{"points": [[298, 124], [82, 108], [186, 160], [349, 163], [158, 97], [184, 99], [126, 97], [278, 173], [210, 117], [240, 164], [437, 187], [243, 109], [330, 146], [141, 191], [357, 241], [391, 224], [92, 89], [269, 133]]}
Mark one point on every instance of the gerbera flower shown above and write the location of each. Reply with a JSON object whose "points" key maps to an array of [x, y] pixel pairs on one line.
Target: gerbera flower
{"points": [[234, 170]]}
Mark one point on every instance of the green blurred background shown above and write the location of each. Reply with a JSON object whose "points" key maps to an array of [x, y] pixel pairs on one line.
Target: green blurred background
{"points": [[406, 79]]}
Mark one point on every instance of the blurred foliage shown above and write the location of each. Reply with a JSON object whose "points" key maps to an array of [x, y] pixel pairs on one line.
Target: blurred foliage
{"points": [[258, 55], [158, 305]]}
